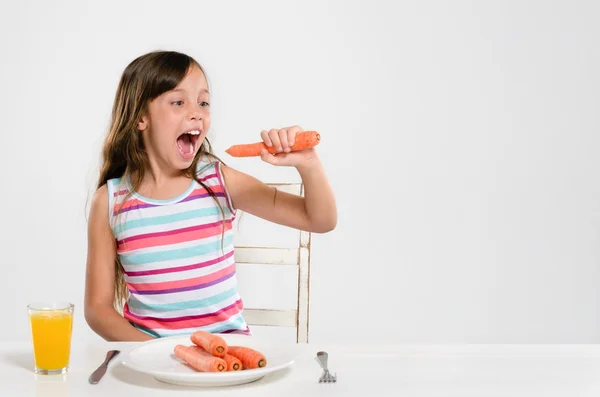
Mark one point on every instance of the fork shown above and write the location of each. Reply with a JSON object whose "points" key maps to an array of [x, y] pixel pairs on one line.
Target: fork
{"points": [[326, 377]]}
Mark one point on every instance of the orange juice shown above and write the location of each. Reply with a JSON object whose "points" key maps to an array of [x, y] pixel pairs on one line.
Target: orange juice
{"points": [[51, 336]]}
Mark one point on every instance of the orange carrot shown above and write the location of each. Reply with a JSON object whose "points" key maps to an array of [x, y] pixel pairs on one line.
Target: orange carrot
{"points": [[213, 344], [303, 140], [233, 363], [250, 358], [198, 361]]}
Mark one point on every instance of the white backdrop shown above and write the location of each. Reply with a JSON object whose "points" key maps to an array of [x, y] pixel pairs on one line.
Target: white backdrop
{"points": [[460, 137]]}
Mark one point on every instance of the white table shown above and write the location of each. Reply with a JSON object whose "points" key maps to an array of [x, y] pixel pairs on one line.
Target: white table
{"points": [[471, 370]]}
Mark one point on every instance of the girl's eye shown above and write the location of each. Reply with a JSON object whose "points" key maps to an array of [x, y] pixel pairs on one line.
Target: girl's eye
{"points": [[177, 103], [204, 104]]}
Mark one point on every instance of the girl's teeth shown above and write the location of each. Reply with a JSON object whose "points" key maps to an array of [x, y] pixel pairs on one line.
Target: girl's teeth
{"points": [[191, 148]]}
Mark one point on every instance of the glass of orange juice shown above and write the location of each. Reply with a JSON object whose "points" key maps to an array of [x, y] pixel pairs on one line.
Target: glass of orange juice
{"points": [[51, 328]]}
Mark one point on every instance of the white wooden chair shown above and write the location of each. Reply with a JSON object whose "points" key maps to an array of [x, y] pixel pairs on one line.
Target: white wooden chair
{"points": [[273, 266]]}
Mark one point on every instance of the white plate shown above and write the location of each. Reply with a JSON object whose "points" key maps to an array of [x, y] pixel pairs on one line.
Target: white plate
{"points": [[156, 358]]}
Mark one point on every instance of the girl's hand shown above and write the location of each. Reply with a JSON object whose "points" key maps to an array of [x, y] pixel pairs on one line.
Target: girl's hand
{"points": [[282, 140]]}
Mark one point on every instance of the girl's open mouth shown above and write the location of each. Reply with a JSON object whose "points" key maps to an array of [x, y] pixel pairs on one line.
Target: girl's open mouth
{"points": [[187, 144]]}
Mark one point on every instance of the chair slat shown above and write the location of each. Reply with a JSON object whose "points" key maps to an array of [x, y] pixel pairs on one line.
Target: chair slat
{"points": [[267, 255], [265, 317]]}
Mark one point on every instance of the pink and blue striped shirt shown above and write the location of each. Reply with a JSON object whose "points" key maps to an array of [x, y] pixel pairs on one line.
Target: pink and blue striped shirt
{"points": [[178, 262]]}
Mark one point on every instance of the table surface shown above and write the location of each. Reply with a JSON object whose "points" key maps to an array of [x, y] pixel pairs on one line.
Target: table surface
{"points": [[383, 370]]}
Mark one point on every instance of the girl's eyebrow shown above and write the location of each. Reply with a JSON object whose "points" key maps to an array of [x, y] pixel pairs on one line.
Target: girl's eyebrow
{"points": [[204, 90]]}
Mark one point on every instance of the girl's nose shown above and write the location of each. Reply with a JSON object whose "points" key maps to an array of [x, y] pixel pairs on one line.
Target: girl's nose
{"points": [[195, 115]]}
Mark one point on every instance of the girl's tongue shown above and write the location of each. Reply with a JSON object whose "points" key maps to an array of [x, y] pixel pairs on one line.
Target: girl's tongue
{"points": [[185, 144]]}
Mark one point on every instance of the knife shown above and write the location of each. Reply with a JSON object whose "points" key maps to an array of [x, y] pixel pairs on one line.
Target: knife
{"points": [[101, 370]]}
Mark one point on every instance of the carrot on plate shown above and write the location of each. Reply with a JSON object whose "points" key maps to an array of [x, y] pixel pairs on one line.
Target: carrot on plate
{"points": [[233, 363], [198, 361], [303, 140], [213, 344], [250, 358]]}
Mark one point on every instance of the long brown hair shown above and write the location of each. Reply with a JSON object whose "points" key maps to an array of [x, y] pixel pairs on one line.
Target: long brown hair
{"points": [[123, 152]]}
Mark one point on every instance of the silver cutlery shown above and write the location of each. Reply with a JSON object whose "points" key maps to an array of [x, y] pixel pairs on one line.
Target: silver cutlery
{"points": [[101, 370], [326, 377]]}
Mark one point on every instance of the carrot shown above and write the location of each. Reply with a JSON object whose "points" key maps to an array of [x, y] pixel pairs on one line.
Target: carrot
{"points": [[212, 343], [250, 358], [233, 363], [198, 361], [303, 140]]}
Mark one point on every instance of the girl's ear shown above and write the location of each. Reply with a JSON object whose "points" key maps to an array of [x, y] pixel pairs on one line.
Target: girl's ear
{"points": [[143, 123]]}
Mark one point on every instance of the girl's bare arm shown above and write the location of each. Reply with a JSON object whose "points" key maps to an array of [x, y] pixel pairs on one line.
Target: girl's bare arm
{"points": [[99, 311], [315, 212]]}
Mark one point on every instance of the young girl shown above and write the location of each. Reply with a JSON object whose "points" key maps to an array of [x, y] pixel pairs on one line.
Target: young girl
{"points": [[160, 244]]}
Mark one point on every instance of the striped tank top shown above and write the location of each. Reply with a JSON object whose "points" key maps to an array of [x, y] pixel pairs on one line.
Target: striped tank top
{"points": [[178, 267]]}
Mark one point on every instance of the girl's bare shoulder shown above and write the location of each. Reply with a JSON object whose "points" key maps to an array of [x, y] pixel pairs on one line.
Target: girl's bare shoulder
{"points": [[99, 204]]}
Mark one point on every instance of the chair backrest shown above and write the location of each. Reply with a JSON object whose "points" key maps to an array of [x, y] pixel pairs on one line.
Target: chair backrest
{"points": [[273, 267]]}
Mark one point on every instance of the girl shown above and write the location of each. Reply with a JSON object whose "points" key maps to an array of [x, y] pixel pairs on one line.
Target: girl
{"points": [[159, 237]]}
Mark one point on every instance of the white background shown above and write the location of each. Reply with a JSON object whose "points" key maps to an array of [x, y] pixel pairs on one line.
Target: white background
{"points": [[460, 137]]}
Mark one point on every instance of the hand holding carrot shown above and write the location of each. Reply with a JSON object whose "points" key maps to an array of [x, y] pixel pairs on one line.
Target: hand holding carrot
{"points": [[290, 146], [283, 140]]}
